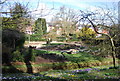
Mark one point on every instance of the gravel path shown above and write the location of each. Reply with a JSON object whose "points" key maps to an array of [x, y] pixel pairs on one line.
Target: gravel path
{"points": [[41, 43]]}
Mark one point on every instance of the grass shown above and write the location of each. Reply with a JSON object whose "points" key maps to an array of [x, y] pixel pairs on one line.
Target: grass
{"points": [[69, 69], [79, 57], [101, 72], [65, 70], [38, 52], [27, 77], [74, 61], [84, 59]]}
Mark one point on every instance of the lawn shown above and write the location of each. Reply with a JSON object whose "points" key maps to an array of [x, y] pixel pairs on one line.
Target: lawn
{"points": [[102, 72], [70, 61], [85, 73], [80, 57], [81, 65]]}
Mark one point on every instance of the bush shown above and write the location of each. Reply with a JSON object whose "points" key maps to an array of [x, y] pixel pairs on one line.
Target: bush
{"points": [[17, 56], [86, 33], [93, 41], [34, 37], [13, 38]]}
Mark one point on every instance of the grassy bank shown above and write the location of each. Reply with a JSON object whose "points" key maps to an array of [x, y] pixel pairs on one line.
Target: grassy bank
{"points": [[73, 61]]}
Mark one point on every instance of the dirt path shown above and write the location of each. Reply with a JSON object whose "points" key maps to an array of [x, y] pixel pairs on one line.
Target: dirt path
{"points": [[35, 43], [39, 44]]}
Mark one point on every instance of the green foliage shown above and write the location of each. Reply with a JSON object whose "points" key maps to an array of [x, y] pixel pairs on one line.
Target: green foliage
{"points": [[63, 75], [19, 18], [74, 38], [40, 26], [105, 48], [115, 33], [44, 27], [61, 39], [19, 10], [13, 38], [37, 52], [15, 23], [81, 74], [86, 33], [8, 23], [17, 56], [34, 37], [93, 41], [81, 57]]}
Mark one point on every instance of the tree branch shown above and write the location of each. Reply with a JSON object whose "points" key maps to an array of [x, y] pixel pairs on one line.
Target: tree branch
{"points": [[3, 2]]}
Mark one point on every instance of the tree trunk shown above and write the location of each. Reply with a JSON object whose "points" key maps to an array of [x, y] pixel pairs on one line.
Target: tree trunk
{"points": [[113, 52], [111, 40], [14, 43]]}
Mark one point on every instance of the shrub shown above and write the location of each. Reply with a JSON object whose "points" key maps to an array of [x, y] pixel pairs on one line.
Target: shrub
{"points": [[34, 37], [16, 56], [13, 38], [86, 33]]}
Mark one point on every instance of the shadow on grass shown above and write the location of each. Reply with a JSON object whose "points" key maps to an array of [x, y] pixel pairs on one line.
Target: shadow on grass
{"points": [[54, 57], [10, 69], [28, 58]]}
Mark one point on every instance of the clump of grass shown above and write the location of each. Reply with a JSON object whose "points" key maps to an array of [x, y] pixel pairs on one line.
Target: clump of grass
{"points": [[86, 73]]}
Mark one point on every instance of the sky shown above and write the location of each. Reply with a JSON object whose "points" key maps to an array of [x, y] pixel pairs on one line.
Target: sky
{"points": [[49, 8]]}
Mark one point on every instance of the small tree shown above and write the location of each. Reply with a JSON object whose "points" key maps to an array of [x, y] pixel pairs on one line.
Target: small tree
{"points": [[66, 19], [40, 26], [18, 11], [17, 56], [111, 38], [19, 18]]}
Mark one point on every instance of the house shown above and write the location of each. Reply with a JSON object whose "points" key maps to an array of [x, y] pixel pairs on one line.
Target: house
{"points": [[102, 31], [50, 27]]}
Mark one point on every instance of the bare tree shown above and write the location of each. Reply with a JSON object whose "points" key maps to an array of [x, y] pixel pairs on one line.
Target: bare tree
{"points": [[66, 20], [2, 2], [96, 20]]}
